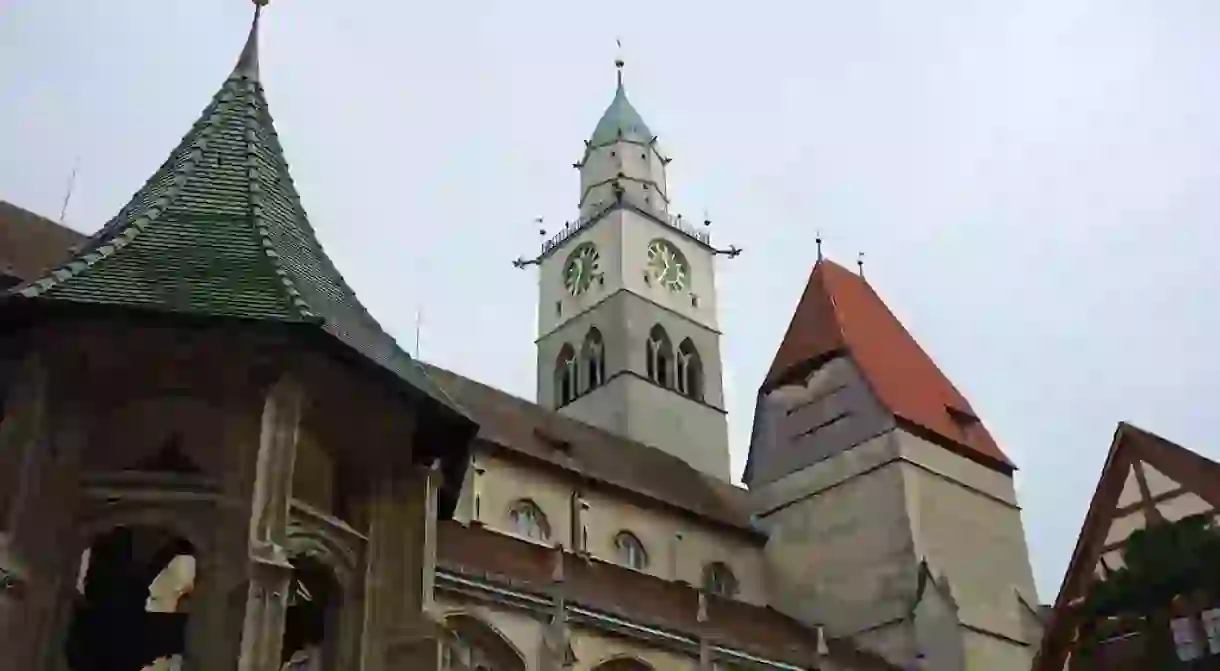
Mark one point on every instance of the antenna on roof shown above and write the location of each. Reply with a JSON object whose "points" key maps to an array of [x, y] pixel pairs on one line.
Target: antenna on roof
{"points": [[63, 210], [860, 262], [419, 320]]}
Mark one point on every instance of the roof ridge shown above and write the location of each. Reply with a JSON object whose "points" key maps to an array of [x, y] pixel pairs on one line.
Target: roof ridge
{"points": [[247, 73], [576, 422]]}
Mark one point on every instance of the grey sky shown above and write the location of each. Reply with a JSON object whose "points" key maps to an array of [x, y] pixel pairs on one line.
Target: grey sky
{"points": [[1034, 183]]}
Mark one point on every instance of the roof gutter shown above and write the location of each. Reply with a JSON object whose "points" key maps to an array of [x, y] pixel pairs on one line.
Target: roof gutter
{"points": [[602, 620]]}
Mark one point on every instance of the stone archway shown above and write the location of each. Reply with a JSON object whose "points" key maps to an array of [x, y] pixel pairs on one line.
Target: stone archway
{"points": [[623, 664], [131, 605], [312, 624], [473, 645], [324, 616]]}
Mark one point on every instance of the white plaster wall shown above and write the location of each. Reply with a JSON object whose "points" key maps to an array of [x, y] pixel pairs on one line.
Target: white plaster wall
{"points": [[671, 558], [641, 165], [984, 653], [970, 530], [593, 648], [637, 232], [522, 631], [840, 552], [691, 431], [504, 482], [551, 290]]}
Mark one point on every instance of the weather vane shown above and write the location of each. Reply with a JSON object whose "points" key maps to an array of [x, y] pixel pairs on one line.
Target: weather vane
{"points": [[522, 262]]}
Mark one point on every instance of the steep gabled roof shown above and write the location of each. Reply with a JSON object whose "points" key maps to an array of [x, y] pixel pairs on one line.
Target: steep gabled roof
{"points": [[840, 314], [31, 244], [219, 231], [1146, 480]]}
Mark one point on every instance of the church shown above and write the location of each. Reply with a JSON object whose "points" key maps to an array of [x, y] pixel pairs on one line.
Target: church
{"points": [[213, 457]]}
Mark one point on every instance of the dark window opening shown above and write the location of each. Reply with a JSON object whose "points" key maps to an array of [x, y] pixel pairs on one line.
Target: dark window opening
{"points": [[565, 375], [690, 371], [594, 355], [312, 609], [131, 601], [659, 362]]}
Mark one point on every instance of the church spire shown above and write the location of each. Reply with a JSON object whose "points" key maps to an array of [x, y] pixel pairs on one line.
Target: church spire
{"points": [[620, 121], [621, 160], [219, 232], [247, 62]]}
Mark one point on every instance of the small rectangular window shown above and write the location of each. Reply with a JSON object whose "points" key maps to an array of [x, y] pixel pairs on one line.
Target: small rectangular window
{"points": [[1211, 626], [1185, 640]]}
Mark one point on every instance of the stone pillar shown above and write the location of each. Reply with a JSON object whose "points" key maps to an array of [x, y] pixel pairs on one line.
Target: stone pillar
{"points": [[705, 646], [556, 644], [401, 632], [269, 569], [40, 447]]}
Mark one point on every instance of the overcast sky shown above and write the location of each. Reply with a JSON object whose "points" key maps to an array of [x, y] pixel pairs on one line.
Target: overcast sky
{"points": [[1034, 183]]}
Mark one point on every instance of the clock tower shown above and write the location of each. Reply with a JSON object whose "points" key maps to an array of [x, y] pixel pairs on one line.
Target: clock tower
{"points": [[628, 338]]}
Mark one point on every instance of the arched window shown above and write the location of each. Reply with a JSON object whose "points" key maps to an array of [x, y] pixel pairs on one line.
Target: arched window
{"points": [[527, 520], [660, 357], [630, 550], [689, 371], [719, 580], [132, 608], [565, 375], [593, 354], [623, 664], [470, 644]]}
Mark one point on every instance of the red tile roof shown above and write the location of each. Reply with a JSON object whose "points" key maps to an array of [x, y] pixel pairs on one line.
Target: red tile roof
{"points": [[477, 552], [840, 314]]}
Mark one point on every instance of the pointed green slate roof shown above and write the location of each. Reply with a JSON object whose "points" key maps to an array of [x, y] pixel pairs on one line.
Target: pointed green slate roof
{"points": [[219, 231], [620, 120]]}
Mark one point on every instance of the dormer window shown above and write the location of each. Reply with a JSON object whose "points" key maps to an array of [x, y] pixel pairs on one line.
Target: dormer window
{"points": [[630, 551]]}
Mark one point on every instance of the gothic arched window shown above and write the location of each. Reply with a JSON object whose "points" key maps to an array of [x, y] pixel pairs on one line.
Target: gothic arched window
{"points": [[660, 357], [719, 580], [529, 521], [470, 644], [593, 355], [630, 550], [565, 375], [689, 376]]}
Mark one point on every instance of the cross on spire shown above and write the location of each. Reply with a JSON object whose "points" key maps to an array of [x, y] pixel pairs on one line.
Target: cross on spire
{"points": [[618, 60]]}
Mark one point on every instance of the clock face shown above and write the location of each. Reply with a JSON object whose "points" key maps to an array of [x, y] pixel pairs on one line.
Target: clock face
{"points": [[667, 266], [583, 266]]}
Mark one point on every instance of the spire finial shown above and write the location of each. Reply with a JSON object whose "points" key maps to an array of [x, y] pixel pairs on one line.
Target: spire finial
{"points": [[247, 63], [619, 62], [818, 240], [860, 262]]}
